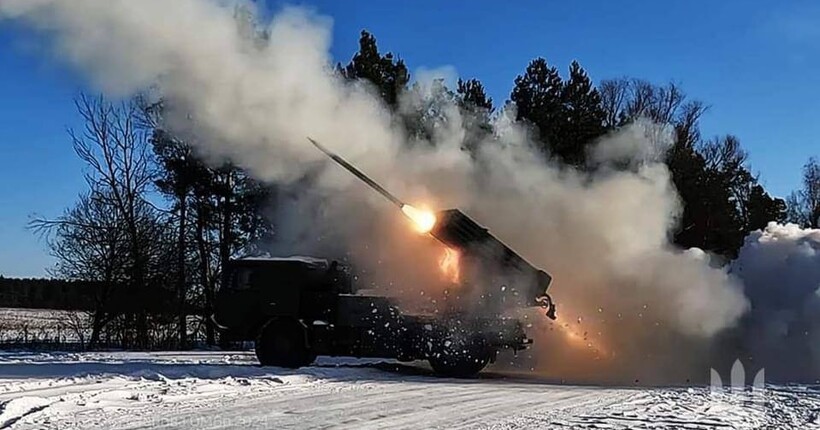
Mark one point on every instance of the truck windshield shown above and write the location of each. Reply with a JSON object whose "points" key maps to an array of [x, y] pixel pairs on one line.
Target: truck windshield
{"points": [[239, 278]]}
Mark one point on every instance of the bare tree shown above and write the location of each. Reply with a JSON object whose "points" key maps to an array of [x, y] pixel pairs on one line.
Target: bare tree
{"points": [[119, 160], [79, 323], [626, 99], [614, 96], [686, 121], [723, 154], [89, 245], [114, 235], [804, 204]]}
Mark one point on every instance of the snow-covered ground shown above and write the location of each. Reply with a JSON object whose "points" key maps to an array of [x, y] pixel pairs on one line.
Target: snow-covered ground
{"points": [[208, 390]]}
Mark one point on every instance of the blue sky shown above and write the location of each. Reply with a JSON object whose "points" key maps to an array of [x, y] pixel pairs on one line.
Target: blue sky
{"points": [[754, 62]]}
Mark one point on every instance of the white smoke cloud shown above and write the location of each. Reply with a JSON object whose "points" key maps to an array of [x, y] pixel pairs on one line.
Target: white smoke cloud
{"points": [[425, 77], [604, 236], [261, 99], [780, 269], [644, 142]]}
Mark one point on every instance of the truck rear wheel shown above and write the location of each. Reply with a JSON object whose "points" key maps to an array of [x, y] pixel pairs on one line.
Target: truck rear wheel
{"points": [[460, 359], [283, 343]]}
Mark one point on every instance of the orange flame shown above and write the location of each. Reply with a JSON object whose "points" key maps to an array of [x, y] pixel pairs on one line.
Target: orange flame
{"points": [[423, 219], [449, 265]]}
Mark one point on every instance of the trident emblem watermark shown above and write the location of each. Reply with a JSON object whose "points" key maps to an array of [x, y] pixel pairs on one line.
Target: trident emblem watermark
{"points": [[738, 385]]}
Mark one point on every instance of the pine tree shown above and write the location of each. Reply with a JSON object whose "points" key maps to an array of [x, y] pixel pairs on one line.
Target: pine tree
{"points": [[537, 96], [476, 109], [472, 95], [388, 75], [762, 209], [583, 119], [709, 220]]}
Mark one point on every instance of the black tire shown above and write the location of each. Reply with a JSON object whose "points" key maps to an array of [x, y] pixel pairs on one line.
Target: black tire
{"points": [[460, 359], [283, 343]]}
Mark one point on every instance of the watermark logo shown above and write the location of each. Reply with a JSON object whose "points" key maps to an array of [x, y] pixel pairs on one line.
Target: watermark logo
{"points": [[738, 384]]}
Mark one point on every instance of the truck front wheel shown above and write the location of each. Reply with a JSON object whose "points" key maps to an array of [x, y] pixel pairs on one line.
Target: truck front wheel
{"points": [[460, 359], [283, 343]]}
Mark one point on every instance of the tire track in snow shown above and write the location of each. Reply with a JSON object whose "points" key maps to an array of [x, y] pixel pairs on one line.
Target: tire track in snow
{"points": [[17, 409], [426, 403]]}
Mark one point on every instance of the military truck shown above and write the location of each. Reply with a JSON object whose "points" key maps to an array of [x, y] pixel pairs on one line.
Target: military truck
{"points": [[296, 308]]}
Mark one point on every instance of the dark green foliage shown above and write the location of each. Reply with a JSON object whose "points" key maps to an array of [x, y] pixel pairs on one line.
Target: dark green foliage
{"points": [[50, 293], [763, 208], [387, 74], [425, 110], [476, 109], [225, 216], [583, 118], [708, 220], [180, 169], [567, 114], [537, 97], [723, 201], [471, 96]]}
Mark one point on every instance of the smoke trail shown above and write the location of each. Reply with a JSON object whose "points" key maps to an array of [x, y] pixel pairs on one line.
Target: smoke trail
{"points": [[254, 98]]}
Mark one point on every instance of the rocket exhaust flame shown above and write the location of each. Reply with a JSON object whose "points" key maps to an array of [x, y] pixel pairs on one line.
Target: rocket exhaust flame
{"points": [[449, 265], [424, 220]]}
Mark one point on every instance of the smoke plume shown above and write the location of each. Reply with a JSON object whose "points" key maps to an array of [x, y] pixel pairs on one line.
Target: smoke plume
{"points": [[780, 269], [631, 305]]}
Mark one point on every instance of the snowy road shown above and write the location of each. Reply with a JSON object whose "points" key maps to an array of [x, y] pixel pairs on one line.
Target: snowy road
{"points": [[211, 390]]}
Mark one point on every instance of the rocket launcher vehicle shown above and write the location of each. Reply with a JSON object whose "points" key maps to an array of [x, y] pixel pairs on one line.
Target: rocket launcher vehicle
{"points": [[520, 282]]}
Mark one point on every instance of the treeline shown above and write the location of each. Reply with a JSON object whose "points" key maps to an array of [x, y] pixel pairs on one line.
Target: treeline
{"points": [[157, 217], [44, 293], [73, 295]]}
